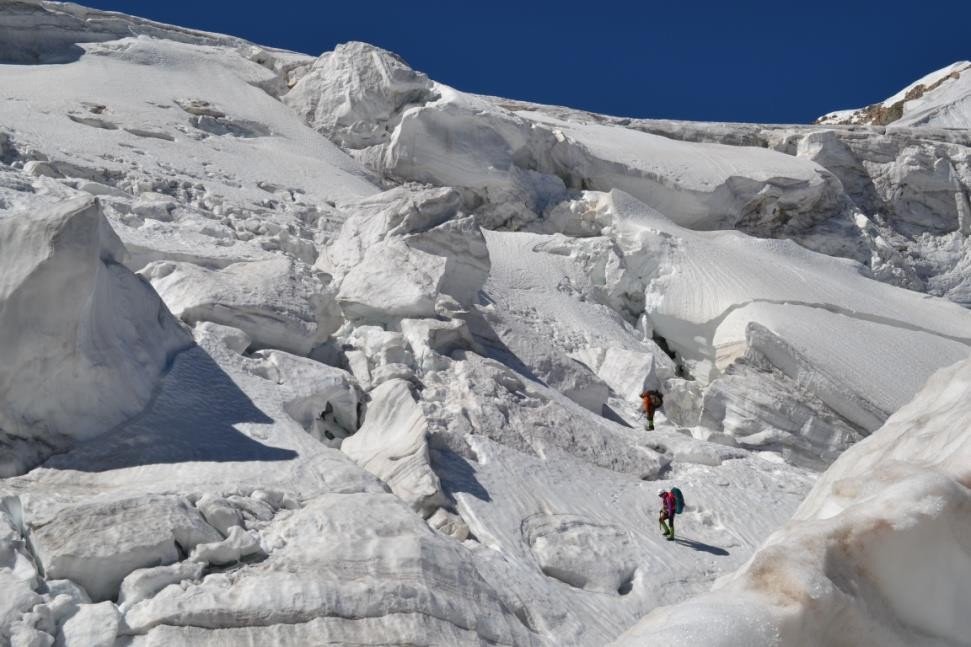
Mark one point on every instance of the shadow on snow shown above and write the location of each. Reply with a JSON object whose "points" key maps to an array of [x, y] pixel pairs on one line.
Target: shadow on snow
{"points": [[700, 547], [191, 418], [456, 475]]}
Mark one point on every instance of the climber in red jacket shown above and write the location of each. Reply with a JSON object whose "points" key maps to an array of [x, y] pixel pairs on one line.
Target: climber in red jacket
{"points": [[650, 402]]}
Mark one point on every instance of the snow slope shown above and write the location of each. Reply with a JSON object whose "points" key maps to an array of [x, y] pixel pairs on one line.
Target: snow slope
{"points": [[876, 555], [191, 155], [374, 378], [705, 289], [941, 99], [709, 297]]}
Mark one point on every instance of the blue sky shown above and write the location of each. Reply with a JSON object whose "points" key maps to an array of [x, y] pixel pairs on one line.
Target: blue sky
{"points": [[780, 62]]}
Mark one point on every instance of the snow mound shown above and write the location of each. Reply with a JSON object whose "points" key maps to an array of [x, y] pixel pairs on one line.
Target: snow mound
{"points": [[86, 340], [876, 555], [582, 554]]}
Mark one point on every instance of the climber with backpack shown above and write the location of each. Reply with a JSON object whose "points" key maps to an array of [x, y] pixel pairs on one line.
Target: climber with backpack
{"points": [[672, 503], [651, 401]]}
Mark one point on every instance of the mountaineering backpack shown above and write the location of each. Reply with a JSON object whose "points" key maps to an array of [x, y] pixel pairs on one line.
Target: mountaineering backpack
{"points": [[678, 500], [656, 398]]}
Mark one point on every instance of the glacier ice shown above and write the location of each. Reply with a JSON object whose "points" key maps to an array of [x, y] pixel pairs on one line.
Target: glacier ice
{"points": [[86, 340], [317, 349], [876, 555]]}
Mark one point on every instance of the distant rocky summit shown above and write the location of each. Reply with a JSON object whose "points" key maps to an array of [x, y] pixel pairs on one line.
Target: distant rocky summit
{"points": [[942, 99]]}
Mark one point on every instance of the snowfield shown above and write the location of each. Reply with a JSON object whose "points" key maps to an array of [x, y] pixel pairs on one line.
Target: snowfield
{"points": [[320, 351]]}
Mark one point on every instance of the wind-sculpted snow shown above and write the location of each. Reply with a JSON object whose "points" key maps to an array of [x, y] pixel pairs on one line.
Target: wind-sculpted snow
{"points": [[401, 405], [876, 555], [85, 341]]}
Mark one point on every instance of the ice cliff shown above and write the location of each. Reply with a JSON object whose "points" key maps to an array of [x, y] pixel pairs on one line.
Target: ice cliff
{"points": [[85, 340]]}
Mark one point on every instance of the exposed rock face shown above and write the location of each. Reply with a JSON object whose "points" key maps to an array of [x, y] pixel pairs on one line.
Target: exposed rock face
{"points": [[85, 340]]}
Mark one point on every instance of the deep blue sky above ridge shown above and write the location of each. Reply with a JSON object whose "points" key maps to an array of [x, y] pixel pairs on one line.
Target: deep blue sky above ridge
{"points": [[770, 62]]}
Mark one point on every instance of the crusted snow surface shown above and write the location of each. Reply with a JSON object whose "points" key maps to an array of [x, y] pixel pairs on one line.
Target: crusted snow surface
{"points": [[304, 351], [876, 555]]}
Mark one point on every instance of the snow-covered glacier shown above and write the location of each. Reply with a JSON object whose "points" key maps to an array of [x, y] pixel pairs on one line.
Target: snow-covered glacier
{"points": [[317, 350], [877, 554]]}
